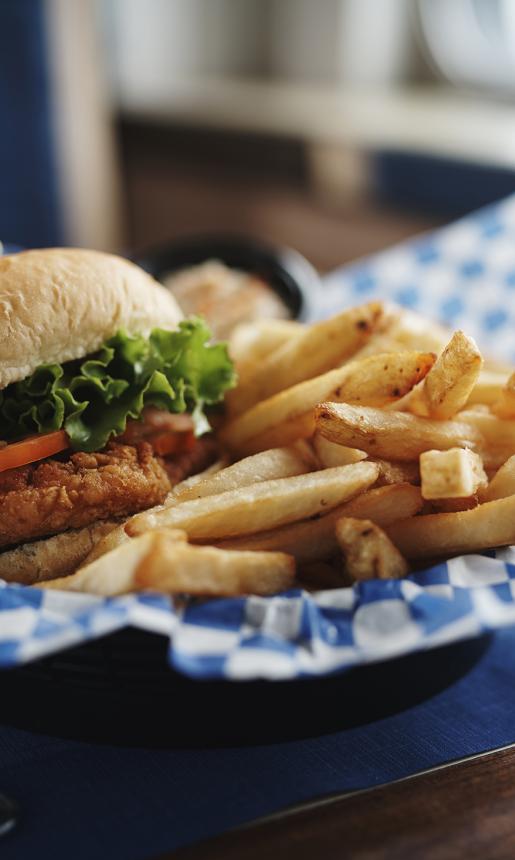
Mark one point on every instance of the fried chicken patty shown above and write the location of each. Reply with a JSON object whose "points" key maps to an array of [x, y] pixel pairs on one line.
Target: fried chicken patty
{"points": [[48, 497]]}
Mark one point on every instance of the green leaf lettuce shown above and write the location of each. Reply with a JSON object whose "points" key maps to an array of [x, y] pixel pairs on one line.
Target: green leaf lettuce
{"points": [[92, 398]]}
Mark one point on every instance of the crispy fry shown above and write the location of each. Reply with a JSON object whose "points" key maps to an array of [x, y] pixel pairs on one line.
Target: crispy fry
{"points": [[250, 343], [498, 434], [435, 535], [488, 525], [163, 561], [113, 573], [187, 483], [504, 406], [178, 568], [400, 330], [373, 381], [449, 383], [319, 348], [502, 484], [109, 542], [261, 506], [331, 454], [488, 388], [310, 540], [274, 463], [253, 341], [392, 435], [368, 552], [453, 474], [391, 472]]}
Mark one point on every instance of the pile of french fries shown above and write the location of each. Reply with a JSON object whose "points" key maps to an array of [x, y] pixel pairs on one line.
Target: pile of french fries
{"points": [[353, 448]]}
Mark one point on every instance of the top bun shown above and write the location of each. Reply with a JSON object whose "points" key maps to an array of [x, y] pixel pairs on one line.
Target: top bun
{"points": [[59, 304]]}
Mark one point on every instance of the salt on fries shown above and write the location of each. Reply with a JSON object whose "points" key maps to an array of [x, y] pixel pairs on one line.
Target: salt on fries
{"points": [[351, 448]]}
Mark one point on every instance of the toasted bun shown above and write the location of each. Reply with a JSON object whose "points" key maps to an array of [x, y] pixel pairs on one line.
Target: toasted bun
{"points": [[59, 304]]}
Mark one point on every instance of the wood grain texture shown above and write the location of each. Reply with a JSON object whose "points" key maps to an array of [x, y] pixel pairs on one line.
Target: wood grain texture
{"points": [[460, 810]]}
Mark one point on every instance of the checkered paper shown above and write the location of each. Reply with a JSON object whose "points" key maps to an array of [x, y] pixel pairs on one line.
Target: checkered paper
{"points": [[463, 274]]}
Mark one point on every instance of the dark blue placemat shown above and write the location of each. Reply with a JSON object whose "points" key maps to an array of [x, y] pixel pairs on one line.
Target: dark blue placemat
{"points": [[83, 800]]}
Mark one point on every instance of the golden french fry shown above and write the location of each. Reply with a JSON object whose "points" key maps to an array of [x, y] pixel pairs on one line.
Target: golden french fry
{"points": [[488, 388], [368, 552], [453, 474], [331, 454], [392, 435], [187, 483], [260, 506], [400, 329], [266, 466], [448, 384], [498, 434], [319, 348], [502, 484], [310, 540], [374, 381], [391, 472], [487, 526], [252, 341], [113, 573], [177, 568], [504, 407], [109, 542], [52, 557]]}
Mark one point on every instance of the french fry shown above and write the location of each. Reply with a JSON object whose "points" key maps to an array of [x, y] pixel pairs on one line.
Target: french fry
{"points": [[331, 454], [504, 407], [311, 540], [435, 535], [110, 541], [449, 383], [163, 561], [274, 463], [255, 340], [187, 483], [488, 388], [113, 573], [250, 343], [368, 552], [453, 474], [319, 348], [206, 571], [401, 330], [374, 381], [260, 506], [392, 435], [391, 472], [498, 434], [501, 485]]}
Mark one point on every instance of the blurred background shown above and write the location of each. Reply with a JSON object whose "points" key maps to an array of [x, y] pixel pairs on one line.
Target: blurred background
{"points": [[335, 126]]}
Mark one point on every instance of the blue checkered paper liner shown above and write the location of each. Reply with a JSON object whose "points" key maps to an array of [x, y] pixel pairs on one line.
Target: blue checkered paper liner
{"points": [[464, 275]]}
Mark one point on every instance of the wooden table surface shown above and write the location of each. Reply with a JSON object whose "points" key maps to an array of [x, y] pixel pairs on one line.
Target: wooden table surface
{"points": [[465, 809]]}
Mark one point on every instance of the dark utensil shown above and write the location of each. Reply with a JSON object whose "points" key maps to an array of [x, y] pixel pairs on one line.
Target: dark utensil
{"points": [[286, 271]]}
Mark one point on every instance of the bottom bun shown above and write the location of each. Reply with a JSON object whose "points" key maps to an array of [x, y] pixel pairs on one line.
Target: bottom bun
{"points": [[52, 557]]}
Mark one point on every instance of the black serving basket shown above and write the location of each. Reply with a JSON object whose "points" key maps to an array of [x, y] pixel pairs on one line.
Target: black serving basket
{"points": [[286, 271], [120, 689]]}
